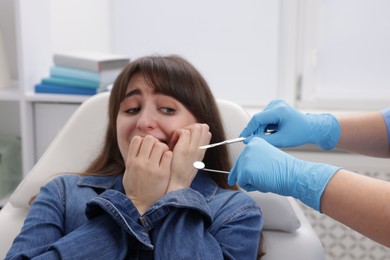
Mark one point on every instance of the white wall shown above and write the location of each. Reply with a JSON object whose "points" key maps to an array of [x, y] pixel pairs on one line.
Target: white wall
{"points": [[81, 25], [233, 43], [237, 45], [250, 51]]}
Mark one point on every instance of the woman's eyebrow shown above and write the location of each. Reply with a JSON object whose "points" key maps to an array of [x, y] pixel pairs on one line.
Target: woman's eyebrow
{"points": [[133, 92]]}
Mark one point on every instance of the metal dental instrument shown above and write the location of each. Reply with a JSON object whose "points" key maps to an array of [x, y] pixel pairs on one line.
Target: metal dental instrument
{"points": [[229, 141], [270, 129], [200, 166]]}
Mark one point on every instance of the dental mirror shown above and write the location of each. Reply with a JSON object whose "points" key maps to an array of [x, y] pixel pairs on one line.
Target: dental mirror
{"points": [[201, 166]]}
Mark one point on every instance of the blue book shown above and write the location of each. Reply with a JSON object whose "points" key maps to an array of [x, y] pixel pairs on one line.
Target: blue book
{"points": [[106, 76], [73, 82], [58, 89]]}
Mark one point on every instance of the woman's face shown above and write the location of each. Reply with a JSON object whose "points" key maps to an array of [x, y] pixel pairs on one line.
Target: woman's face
{"points": [[144, 112]]}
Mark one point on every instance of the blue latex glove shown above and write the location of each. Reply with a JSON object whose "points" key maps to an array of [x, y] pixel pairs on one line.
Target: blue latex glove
{"points": [[264, 167], [293, 128]]}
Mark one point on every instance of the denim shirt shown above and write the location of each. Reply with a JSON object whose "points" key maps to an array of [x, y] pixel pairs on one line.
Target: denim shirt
{"points": [[90, 217], [386, 117]]}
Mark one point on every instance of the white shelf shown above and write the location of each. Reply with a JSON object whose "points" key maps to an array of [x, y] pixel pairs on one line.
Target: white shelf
{"points": [[13, 93], [41, 97]]}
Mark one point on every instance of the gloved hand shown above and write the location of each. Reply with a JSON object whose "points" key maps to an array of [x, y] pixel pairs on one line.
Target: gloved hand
{"points": [[293, 128], [264, 167]]}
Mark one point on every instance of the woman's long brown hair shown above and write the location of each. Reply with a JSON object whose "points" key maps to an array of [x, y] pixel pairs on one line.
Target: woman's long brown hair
{"points": [[175, 77]]}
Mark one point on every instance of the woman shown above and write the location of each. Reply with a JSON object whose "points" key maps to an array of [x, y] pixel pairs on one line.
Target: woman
{"points": [[142, 198]]}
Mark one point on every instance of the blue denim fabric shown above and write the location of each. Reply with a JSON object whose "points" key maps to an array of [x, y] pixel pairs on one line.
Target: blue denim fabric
{"points": [[386, 117], [90, 217]]}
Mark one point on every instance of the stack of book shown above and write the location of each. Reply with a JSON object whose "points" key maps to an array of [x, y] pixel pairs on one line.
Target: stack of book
{"points": [[82, 73]]}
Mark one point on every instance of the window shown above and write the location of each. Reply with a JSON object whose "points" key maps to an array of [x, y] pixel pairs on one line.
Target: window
{"points": [[345, 61]]}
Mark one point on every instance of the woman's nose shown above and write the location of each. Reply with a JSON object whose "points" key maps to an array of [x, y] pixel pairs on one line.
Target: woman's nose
{"points": [[147, 120]]}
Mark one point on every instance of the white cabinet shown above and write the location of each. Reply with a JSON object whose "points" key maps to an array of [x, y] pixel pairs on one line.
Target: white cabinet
{"points": [[49, 119], [26, 26]]}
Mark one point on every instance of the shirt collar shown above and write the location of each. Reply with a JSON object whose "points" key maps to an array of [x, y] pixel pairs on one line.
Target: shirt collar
{"points": [[99, 182]]}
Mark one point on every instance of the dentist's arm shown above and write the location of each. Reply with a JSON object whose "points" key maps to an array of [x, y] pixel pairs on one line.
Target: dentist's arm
{"points": [[364, 134], [359, 133], [359, 202]]}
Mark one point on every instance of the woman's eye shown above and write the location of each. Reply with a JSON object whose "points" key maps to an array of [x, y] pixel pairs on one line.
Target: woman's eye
{"points": [[168, 110], [133, 110]]}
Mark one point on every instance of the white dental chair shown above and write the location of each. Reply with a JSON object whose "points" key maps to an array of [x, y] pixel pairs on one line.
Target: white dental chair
{"points": [[287, 232]]}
